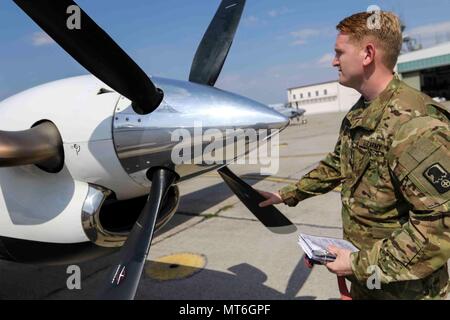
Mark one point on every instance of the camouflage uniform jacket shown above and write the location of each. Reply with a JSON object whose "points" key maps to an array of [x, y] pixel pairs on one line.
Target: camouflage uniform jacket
{"points": [[393, 161]]}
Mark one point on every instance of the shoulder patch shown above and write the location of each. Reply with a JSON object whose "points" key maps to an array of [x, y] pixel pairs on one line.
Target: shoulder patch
{"points": [[438, 177]]}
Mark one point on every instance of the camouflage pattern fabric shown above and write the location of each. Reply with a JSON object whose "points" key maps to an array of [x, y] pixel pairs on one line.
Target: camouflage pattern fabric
{"points": [[393, 161]]}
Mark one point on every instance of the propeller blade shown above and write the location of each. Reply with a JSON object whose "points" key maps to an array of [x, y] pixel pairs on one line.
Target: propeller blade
{"points": [[216, 43], [124, 277], [270, 216], [94, 49]]}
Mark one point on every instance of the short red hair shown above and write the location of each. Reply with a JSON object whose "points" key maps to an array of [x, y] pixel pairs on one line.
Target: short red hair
{"points": [[387, 32]]}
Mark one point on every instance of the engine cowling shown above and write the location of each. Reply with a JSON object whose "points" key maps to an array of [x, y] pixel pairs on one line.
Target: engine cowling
{"points": [[108, 221]]}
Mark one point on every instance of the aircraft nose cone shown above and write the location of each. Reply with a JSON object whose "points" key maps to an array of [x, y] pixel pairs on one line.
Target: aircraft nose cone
{"points": [[211, 127], [214, 108], [233, 111], [245, 112], [247, 115], [269, 118]]}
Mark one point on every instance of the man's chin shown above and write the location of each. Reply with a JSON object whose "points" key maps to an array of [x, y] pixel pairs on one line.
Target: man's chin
{"points": [[343, 82]]}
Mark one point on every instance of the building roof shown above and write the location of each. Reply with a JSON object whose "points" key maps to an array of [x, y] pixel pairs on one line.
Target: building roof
{"points": [[425, 58], [313, 84]]}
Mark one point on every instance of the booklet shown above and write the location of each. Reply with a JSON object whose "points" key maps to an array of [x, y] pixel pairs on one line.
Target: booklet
{"points": [[316, 247]]}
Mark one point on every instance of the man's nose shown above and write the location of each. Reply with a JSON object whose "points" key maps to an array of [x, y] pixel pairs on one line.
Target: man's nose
{"points": [[335, 62]]}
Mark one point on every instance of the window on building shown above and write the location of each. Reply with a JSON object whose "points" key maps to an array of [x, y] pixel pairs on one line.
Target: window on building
{"points": [[301, 95], [325, 92], [317, 93], [309, 94], [294, 97]]}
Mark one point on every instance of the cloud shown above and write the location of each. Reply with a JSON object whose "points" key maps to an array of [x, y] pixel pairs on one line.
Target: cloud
{"points": [[431, 33], [430, 29], [251, 21], [273, 13], [302, 36], [279, 12], [305, 33], [325, 60], [298, 42], [41, 39]]}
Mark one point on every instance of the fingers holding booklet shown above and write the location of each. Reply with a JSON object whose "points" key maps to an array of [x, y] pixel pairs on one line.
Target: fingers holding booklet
{"points": [[316, 248]]}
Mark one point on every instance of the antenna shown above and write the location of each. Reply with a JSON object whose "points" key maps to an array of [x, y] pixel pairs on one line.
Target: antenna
{"points": [[411, 44]]}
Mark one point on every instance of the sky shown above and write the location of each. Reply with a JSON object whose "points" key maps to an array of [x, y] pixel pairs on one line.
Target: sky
{"points": [[279, 43]]}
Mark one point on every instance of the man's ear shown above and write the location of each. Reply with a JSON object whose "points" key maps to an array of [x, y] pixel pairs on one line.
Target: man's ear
{"points": [[369, 54]]}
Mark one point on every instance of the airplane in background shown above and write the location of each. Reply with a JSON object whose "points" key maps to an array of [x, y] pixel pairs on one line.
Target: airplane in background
{"points": [[289, 112], [86, 167]]}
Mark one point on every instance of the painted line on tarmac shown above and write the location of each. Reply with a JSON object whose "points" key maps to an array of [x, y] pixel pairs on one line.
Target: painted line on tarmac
{"points": [[175, 266]]}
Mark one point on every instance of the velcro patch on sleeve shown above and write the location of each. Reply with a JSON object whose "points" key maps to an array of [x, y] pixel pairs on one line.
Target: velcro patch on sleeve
{"points": [[439, 177]]}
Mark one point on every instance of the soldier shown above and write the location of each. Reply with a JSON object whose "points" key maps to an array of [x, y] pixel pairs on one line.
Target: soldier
{"points": [[392, 159]]}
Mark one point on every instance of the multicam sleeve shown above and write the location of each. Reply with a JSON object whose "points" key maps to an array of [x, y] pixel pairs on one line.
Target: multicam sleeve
{"points": [[325, 177], [420, 163]]}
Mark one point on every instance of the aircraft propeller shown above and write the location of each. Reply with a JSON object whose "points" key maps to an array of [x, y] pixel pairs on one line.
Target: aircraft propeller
{"points": [[216, 43], [270, 216], [206, 67], [124, 277], [94, 49]]}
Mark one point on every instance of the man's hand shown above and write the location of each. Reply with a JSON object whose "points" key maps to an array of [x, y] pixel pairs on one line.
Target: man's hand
{"points": [[342, 266], [272, 198]]}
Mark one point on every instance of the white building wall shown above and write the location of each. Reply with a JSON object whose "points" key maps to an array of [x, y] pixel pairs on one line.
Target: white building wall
{"points": [[323, 97], [347, 97]]}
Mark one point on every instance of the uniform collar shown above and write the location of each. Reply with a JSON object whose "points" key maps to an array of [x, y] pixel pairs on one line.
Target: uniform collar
{"points": [[369, 117]]}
